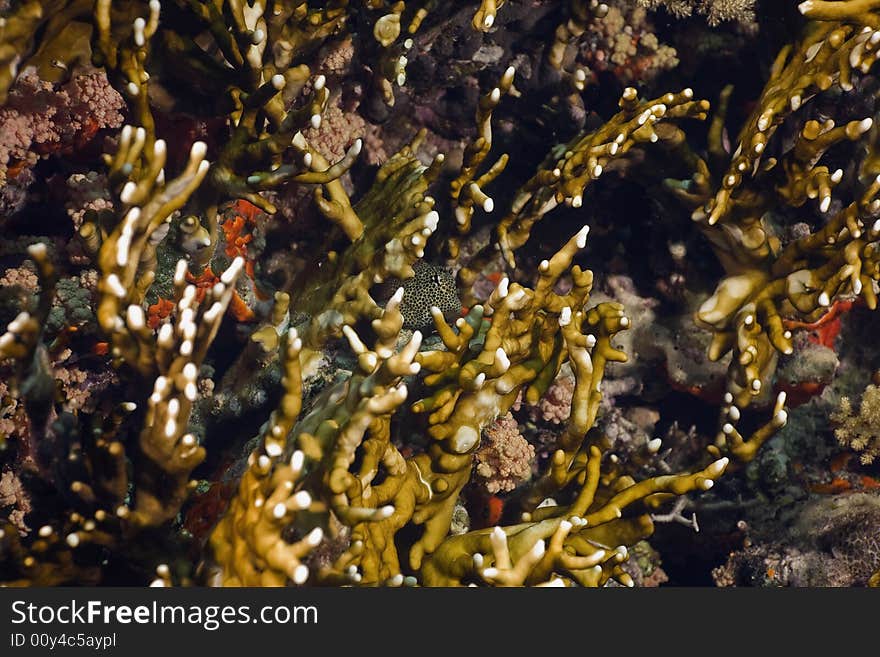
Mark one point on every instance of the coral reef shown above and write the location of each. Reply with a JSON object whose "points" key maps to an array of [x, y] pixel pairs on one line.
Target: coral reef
{"points": [[297, 293], [833, 542]]}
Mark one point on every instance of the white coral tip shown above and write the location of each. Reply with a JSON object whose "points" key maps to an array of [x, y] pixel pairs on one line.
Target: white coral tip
{"points": [[565, 316]]}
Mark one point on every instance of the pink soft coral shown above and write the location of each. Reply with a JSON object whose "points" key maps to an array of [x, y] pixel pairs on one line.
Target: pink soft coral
{"points": [[504, 460]]}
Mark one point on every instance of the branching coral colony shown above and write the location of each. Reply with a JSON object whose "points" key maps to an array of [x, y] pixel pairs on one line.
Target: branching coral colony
{"points": [[359, 472]]}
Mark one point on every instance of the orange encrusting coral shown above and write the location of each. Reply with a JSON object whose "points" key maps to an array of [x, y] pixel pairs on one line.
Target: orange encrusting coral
{"points": [[237, 234], [800, 392], [237, 240], [158, 312], [836, 485], [826, 329], [207, 280]]}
